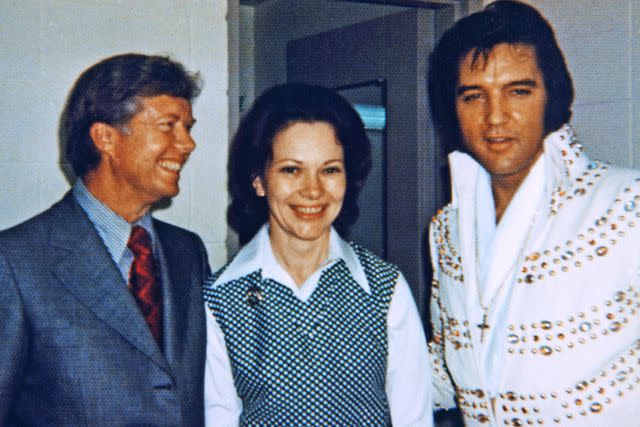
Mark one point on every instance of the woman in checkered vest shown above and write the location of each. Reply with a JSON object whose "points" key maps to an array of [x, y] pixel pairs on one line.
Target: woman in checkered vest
{"points": [[303, 328]]}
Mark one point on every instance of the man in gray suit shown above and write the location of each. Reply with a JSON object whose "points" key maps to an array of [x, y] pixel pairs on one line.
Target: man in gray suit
{"points": [[101, 315]]}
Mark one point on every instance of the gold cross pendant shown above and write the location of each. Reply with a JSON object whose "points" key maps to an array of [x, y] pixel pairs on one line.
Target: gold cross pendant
{"points": [[483, 327]]}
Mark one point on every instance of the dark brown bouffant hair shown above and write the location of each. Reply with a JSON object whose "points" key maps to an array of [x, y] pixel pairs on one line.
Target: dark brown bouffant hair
{"points": [[503, 21], [251, 150]]}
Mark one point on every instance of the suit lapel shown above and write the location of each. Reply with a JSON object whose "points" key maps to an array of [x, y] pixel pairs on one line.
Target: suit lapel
{"points": [[179, 293], [88, 272]]}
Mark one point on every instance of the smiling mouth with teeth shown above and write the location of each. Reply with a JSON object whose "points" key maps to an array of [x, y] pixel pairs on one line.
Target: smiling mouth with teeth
{"points": [[172, 166], [308, 210]]}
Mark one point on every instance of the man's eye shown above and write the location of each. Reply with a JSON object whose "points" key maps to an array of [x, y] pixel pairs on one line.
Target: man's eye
{"points": [[470, 97], [166, 126], [521, 91]]}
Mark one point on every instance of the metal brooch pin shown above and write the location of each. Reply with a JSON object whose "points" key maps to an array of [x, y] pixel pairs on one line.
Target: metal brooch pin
{"points": [[254, 296]]}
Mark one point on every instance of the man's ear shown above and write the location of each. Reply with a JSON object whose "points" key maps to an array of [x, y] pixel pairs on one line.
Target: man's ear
{"points": [[104, 137], [258, 186]]}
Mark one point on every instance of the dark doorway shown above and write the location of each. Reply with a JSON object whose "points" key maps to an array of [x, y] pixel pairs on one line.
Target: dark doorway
{"points": [[392, 49], [354, 45], [369, 99]]}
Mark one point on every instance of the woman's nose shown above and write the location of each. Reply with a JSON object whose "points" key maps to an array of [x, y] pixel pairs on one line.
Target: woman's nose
{"points": [[311, 186]]}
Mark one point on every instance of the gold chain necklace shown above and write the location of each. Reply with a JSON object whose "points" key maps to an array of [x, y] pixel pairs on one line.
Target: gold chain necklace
{"points": [[484, 326]]}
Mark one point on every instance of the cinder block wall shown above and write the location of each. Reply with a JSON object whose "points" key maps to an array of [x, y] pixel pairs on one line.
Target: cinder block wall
{"points": [[46, 44]]}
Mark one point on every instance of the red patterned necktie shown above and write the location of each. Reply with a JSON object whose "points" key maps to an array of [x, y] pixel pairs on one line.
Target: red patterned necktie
{"points": [[143, 281]]}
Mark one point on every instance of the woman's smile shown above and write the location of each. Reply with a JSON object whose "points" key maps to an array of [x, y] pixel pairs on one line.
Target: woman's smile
{"points": [[305, 181]]}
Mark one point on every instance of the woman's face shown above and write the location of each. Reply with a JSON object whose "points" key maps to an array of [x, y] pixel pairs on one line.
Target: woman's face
{"points": [[305, 181]]}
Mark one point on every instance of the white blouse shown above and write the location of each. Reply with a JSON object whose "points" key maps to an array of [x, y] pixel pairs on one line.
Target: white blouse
{"points": [[408, 384]]}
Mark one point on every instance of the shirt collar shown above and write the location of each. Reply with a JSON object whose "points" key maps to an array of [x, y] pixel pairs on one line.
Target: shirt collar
{"points": [[258, 255], [562, 153], [112, 228], [569, 161]]}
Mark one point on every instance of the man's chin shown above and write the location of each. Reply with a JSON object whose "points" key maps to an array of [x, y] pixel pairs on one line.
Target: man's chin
{"points": [[165, 200], [163, 203]]}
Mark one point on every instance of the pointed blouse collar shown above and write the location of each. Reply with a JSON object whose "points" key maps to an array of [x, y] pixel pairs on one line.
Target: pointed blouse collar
{"points": [[257, 255]]}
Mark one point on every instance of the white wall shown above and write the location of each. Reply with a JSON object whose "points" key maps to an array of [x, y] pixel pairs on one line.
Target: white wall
{"points": [[601, 42], [46, 44]]}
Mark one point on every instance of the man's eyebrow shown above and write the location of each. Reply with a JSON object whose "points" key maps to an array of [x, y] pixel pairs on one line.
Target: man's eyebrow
{"points": [[168, 116], [175, 116], [524, 82], [464, 88]]}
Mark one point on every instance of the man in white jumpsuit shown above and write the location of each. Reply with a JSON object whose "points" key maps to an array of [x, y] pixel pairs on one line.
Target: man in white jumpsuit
{"points": [[536, 291]]}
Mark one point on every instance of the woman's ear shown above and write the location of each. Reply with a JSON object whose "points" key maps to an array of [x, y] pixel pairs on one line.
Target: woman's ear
{"points": [[258, 186]]}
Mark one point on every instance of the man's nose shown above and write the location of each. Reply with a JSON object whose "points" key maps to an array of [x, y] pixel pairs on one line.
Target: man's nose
{"points": [[496, 111], [184, 141]]}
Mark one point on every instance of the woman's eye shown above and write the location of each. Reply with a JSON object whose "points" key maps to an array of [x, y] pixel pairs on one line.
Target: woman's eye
{"points": [[289, 169], [333, 169]]}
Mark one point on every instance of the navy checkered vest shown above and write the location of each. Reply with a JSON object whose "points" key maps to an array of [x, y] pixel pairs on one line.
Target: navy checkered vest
{"points": [[322, 362]]}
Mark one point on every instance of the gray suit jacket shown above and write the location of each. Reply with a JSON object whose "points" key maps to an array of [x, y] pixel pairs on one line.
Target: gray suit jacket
{"points": [[74, 347]]}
